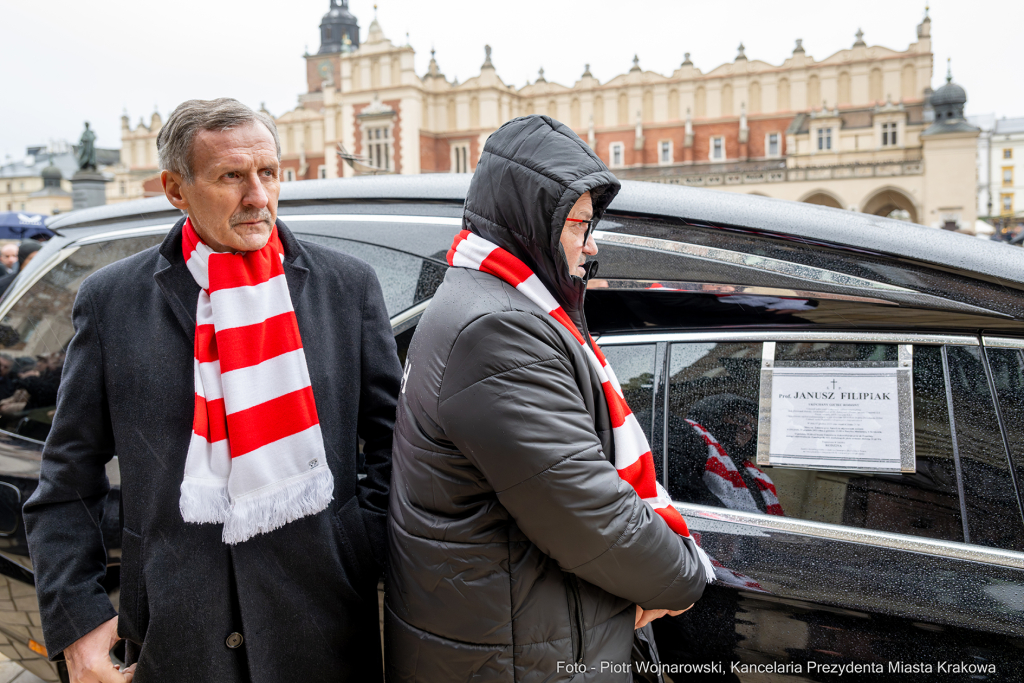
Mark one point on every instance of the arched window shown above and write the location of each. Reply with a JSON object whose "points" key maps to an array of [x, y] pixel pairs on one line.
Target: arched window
{"points": [[844, 88], [908, 82], [755, 97], [700, 103], [813, 92], [875, 85], [673, 105], [783, 95]]}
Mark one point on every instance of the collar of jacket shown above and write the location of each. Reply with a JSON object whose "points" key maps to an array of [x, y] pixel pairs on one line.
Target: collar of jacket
{"points": [[181, 291]]}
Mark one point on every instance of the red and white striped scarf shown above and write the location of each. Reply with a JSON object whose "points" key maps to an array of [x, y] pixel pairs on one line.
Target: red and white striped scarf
{"points": [[723, 479], [633, 459], [256, 460]]}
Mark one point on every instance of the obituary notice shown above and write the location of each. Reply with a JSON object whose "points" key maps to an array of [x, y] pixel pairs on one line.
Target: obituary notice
{"points": [[835, 418]]}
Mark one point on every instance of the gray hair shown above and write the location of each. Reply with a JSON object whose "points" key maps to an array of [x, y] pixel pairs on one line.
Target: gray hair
{"points": [[174, 142]]}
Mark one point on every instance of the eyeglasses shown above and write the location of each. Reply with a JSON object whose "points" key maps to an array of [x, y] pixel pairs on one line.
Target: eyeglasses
{"points": [[590, 227]]}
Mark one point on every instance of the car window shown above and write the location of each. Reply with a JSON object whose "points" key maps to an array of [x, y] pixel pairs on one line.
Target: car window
{"points": [[713, 392], [1008, 376], [36, 332], [406, 280], [635, 368], [993, 510]]}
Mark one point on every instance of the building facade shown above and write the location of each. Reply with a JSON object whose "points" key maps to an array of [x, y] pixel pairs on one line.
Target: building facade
{"points": [[1006, 170], [856, 130], [41, 181]]}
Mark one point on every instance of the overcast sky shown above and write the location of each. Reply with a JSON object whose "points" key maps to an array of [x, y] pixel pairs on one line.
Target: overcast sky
{"points": [[68, 61]]}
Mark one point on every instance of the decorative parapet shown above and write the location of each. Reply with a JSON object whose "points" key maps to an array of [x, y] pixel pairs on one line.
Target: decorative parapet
{"points": [[688, 175]]}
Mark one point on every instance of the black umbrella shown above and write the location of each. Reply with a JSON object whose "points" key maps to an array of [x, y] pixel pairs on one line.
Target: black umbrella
{"points": [[16, 225]]}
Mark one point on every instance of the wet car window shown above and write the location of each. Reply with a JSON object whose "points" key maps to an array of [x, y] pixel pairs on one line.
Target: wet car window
{"points": [[406, 280], [634, 368], [993, 511], [36, 332], [713, 396], [1008, 375]]}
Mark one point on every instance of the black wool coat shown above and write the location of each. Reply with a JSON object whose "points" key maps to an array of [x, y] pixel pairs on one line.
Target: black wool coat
{"points": [[304, 596]]}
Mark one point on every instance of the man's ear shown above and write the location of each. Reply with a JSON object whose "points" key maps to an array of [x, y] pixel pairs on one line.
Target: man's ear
{"points": [[172, 189]]}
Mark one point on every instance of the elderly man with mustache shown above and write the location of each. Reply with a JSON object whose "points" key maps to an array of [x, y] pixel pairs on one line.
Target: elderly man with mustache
{"points": [[233, 370]]}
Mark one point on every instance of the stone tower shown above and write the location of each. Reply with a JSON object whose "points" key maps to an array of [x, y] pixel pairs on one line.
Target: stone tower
{"points": [[339, 34]]}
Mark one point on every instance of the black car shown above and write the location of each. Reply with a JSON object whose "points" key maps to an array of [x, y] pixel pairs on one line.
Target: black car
{"points": [[865, 574]]}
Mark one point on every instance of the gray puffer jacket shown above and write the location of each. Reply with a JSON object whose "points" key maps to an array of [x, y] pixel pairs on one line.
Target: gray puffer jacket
{"points": [[516, 551]]}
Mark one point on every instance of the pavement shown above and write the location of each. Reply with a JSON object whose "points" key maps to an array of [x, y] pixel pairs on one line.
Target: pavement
{"points": [[11, 672]]}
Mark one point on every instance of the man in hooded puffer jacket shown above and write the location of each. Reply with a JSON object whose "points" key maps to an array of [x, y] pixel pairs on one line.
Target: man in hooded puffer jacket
{"points": [[517, 552]]}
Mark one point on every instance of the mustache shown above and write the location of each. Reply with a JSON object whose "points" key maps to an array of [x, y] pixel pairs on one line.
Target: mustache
{"points": [[251, 215]]}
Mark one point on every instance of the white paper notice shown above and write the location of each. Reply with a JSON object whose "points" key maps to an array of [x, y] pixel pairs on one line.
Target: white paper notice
{"points": [[839, 418]]}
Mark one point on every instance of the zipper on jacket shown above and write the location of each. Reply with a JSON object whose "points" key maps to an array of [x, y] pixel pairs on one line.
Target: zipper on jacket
{"points": [[576, 614]]}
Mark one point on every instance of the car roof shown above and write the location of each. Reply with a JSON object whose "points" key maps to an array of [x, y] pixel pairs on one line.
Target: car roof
{"points": [[696, 205]]}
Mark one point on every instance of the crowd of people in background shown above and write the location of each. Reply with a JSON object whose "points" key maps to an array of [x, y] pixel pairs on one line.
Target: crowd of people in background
{"points": [[28, 392], [14, 256]]}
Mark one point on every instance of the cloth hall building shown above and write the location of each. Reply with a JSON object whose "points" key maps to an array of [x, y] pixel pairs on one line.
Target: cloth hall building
{"points": [[860, 130]]}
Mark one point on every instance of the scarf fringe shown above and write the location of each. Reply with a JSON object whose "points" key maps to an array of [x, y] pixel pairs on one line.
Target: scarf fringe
{"points": [[705, 561], [264, 510], [204, 501]]}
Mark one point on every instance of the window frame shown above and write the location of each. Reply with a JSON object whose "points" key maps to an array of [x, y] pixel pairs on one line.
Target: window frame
{"points": [[613, 148], [823, 136], [768, 142], [720, 139], [953, 549], [662, 148], [1007, 176], [459, 157]]}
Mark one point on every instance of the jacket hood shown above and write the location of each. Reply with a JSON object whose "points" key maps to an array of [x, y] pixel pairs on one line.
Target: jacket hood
{"points": [[531, 172]]}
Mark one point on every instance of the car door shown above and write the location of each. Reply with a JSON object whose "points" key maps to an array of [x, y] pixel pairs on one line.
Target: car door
{"points": [[896, 574], [35, 329]]}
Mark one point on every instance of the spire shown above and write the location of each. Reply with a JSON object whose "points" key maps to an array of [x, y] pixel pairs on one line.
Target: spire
{"points": [[949, 69], [432, 69], [799, 49], [924, 29], [636, 63], [741, 55], [686, 59], [540, 76], [860, 39], [586, 72]]}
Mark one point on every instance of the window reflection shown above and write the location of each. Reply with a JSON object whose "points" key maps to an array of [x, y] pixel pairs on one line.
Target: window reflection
{"points": [[712, 444], [37, 330], [993, 511], [634, 368], [406, 280]]}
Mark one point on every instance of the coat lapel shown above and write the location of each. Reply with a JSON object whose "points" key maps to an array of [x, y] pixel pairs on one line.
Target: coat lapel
{"points": [[176, 283], [181, 291], [294, 273]]}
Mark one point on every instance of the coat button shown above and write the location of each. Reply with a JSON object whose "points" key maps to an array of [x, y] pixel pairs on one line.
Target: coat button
{"points": [[234, 640]]}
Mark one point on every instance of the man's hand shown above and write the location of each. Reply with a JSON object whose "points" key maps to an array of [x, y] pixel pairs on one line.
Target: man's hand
{"points": [[646, 616], [88, 658]]}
